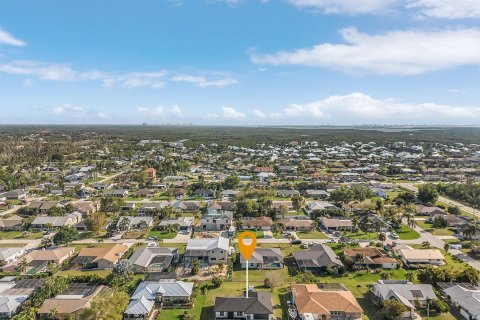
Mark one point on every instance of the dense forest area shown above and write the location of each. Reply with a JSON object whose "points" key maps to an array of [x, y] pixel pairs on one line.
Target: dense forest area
{"points": [[466, 192], [247, 136]]}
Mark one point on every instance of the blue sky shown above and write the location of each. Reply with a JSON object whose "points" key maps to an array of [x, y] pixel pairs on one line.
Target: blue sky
{"points": [[241, 62]]}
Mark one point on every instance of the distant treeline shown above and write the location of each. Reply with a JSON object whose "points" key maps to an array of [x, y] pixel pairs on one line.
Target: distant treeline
{"points": [[247, 136]]}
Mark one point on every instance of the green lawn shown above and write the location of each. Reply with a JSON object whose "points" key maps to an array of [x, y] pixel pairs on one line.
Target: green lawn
{"points": [[73, 273], [162, 234], [7, 235], [435, 231], [314, 234], [359, 235], [407, 233]]}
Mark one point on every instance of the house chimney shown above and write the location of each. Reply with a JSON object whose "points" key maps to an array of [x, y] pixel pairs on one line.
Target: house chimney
{"points": [[294, 293]]}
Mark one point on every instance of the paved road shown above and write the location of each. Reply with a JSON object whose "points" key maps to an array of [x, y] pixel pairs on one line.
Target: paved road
{"points": [[447, 201]]}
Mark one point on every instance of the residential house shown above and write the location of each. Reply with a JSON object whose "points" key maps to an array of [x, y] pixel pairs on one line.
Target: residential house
{"points": [[264, 258], [216, 221], [185, 224], [371, 258], [14, 294], [47, 222], [138, 222], [11, 254], [287, 193], [410, 256], [429, 211], [331, 224], [258, 305], [316, 206], [449, 219], [153, 259], [257, 223], [14, 195], [158, 293], [152, 207], [101, 186], [86, 207], [73, 300], [119, 193], [467, 300], [317, 259], [105, 256], [214, 206], [409, 294], [12, 223], [38, 260], [461, 232], [207, 251], [43, 207], [186, 206], [317, 194], [145, 193], [204, 193], [296, 224], [230, 194], [315, 303]]}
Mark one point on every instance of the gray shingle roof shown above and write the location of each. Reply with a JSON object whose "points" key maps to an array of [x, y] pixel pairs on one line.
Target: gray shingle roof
{"points": [[257, 303]]}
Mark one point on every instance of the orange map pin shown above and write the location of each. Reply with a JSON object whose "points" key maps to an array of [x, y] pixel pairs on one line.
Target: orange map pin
{"points": [[247, 241]]}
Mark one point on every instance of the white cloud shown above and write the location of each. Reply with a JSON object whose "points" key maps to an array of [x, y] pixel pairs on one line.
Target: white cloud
{"points": [[159, 111], [142, 109], [176, 110], [447, 9], [396, 52], [203, 82], [231, 113], [64, 73], [259, 114], [345, 6], [66, 107], [361, 108], [8, 39], [135, 80], [103, 115]]}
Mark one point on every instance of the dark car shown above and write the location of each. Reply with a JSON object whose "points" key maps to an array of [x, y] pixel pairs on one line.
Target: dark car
{"points": [[297, 241]]}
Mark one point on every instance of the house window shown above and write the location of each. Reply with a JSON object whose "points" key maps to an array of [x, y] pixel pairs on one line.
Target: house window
{"points": [[222, 314], [240, 313]]}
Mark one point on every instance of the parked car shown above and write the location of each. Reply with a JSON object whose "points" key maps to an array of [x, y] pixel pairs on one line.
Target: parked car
{"points": [[297, 241]]}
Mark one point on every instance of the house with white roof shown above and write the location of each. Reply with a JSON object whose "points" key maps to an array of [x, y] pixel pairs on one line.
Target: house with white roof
{"points": [[207, 251], [466, 300], [13, 294], [150, 294], [411, 256], [153, 259], [12, 254], [405, 292], [45, 222]]}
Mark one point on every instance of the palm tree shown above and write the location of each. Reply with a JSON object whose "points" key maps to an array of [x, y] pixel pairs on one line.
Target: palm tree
{"points": [[22, 266], [472, 230], [446, 246], [382, 237], [411, 275]]}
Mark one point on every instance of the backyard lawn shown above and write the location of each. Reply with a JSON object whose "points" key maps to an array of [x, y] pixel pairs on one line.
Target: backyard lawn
{"points": [[7, 235], [314, 234], [360, 235], [407, 233], [435, 231], [160, 235]]}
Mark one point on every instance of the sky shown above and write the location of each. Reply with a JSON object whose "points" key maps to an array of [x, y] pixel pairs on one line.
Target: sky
{"points": [[240, 62]]}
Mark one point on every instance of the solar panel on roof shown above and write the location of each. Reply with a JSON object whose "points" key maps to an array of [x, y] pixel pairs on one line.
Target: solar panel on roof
{"points": [[417, 293]]}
